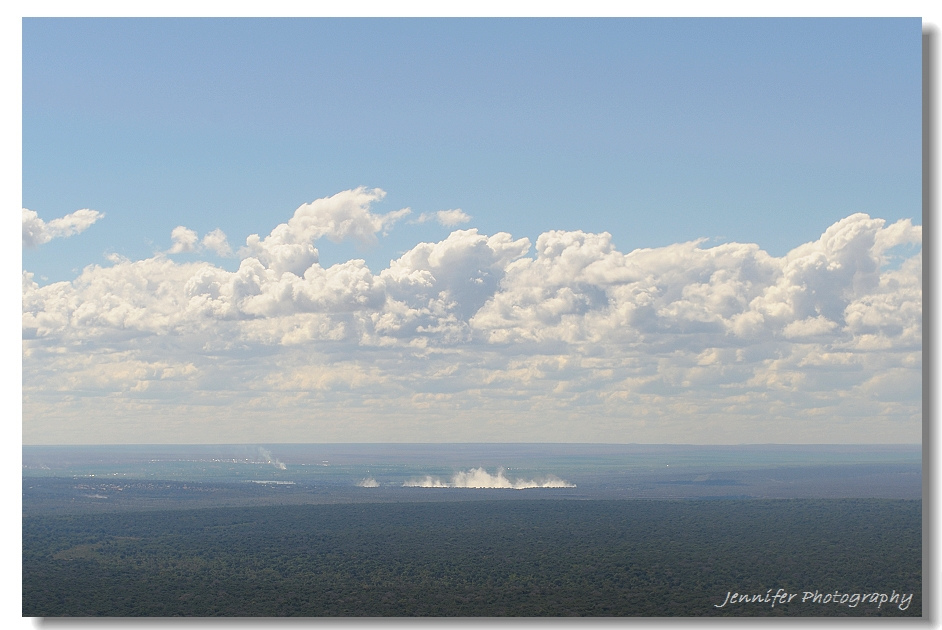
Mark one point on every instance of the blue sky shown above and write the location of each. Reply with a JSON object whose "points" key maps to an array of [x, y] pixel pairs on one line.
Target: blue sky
{"points": [[792, 148], [657, 131]]}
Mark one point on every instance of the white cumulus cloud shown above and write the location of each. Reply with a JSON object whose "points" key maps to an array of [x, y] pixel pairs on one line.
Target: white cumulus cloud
{"points": [[37, 232], [216, 242], [572, 338], [447, 218], [184, 240], [344, 216]]}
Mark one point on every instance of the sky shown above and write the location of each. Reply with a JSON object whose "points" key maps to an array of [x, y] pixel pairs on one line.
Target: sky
{"points": [[574, 230]]}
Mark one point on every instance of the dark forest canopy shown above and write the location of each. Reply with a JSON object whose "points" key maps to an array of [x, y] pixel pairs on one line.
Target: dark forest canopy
{"points": [[480, 558]]}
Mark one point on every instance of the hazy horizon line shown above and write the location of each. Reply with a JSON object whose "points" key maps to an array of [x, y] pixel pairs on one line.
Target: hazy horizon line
{"points": [[887, 444]]}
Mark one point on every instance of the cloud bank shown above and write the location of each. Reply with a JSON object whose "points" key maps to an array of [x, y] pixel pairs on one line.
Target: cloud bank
{"points": [[480, 478], [489, 337]]}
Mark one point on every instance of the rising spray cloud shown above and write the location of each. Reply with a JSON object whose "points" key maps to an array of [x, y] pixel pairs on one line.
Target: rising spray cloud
{"points": [[266, 457], [480, 478]]}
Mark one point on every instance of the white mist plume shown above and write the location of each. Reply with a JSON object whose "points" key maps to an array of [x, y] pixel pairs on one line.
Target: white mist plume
{"points": [[369, 482], [268, 459], [480, 478]]}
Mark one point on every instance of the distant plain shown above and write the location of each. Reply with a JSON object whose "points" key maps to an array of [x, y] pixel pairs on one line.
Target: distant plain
{"points": [[130, 477], [470, 530]]}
